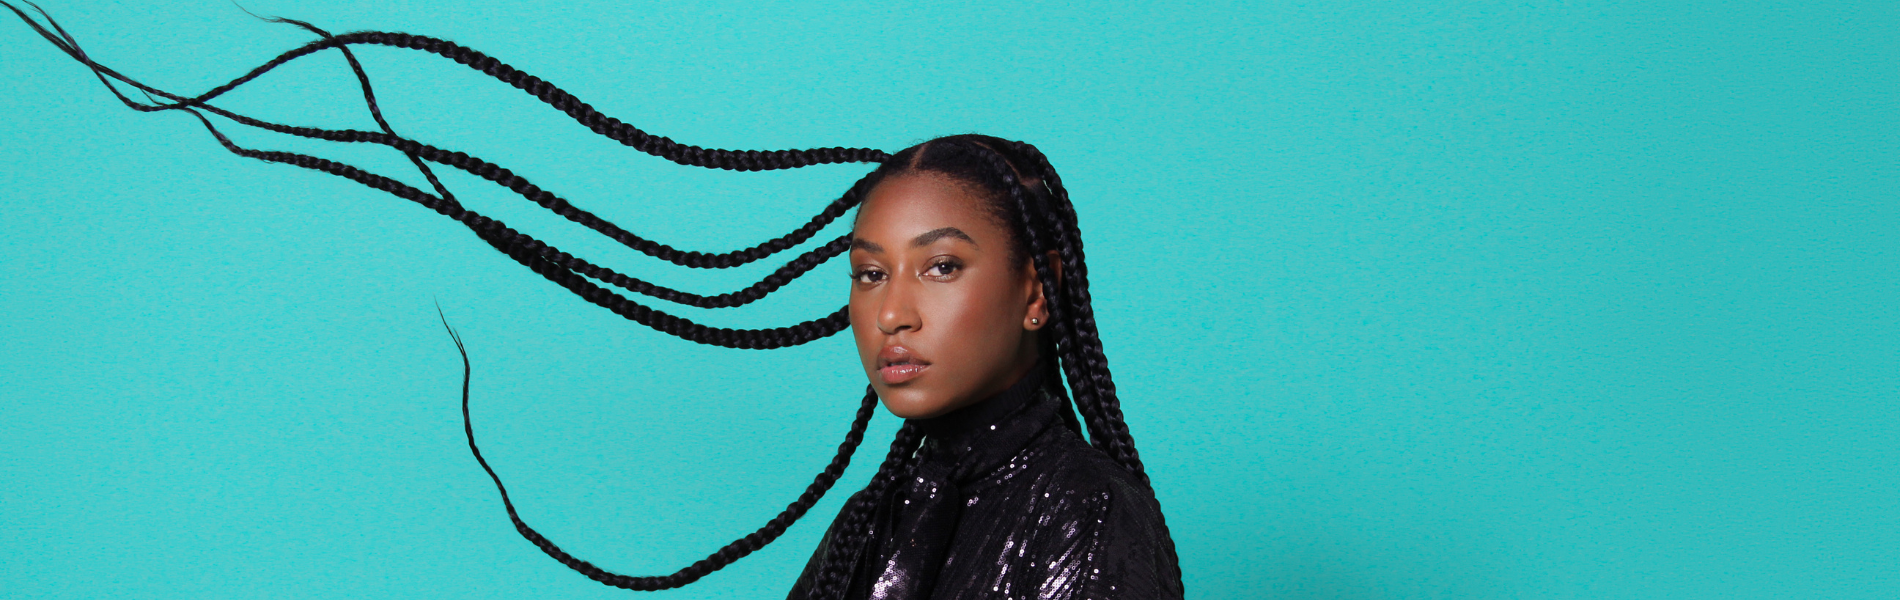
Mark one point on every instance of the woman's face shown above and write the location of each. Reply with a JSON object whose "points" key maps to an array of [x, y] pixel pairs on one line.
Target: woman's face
{"points": [[941, 317]]}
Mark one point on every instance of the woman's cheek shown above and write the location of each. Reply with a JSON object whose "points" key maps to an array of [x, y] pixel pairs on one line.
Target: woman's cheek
{"points": [[864, 332], [969, 338]]}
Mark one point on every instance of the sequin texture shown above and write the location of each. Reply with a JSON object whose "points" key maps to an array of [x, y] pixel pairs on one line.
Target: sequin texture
{"points": [[1006, 500]]}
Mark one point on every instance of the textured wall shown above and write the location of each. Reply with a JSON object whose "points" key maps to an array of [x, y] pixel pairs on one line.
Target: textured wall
{"points": [[1404, 300]]}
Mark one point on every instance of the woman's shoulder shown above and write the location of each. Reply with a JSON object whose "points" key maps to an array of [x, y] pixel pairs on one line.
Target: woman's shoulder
{"points": [[1110, 516], [1079, 468]]}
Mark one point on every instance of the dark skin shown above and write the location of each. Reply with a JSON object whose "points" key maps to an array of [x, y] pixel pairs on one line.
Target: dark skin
{"points": [[941, 315]]}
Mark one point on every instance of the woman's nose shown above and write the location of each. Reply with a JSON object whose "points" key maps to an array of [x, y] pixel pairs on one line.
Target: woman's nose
{"points": [[897, 312]]}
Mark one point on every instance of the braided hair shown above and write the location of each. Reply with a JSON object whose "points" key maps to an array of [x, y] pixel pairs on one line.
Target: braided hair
{"points": [[1020, 185]]}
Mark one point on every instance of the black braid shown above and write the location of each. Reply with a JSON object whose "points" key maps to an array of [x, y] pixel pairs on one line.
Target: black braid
{"points": [[559, 206], [784, 275], [833, 576], [471, 164], [1081, 306], [1087, 376], [1065, 213], [1030, 223], [724, 556], [523, 249], [369, 98], [1032, 215], [581, 112], [1072, 316], [528, 251], [1095, 388]]}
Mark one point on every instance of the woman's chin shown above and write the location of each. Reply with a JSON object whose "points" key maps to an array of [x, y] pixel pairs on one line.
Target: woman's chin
{"points": [[905, 404]]}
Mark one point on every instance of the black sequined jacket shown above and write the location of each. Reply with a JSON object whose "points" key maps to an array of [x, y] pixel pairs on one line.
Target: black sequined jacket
{"points": [[1005, 500]]}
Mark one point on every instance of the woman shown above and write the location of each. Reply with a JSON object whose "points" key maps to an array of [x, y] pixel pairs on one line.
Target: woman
{"points": [[970, 309], [960, 308]]}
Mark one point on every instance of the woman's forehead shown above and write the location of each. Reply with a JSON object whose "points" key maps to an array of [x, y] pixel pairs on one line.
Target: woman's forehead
{"points": [[911, 207]]}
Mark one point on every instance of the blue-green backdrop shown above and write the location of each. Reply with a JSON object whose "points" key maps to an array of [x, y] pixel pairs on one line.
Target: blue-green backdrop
{"points": [[1404, 300]]}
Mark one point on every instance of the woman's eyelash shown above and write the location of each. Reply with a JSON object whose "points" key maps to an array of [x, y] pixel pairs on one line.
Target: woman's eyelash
{"points": [[949, 266]]}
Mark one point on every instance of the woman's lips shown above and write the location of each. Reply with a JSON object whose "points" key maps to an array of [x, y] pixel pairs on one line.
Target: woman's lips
{"points": [[896, 374], [897, 364]]}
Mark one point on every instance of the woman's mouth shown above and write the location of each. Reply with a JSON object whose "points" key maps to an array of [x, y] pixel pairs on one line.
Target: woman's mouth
{"points": [[897, 364], [899, 372]]}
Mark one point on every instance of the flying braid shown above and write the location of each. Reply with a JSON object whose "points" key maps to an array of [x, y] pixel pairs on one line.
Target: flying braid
{"points": [[465, 162], [581, 112], [522, 249], [724, 556], [369, 97], [529, 252]]}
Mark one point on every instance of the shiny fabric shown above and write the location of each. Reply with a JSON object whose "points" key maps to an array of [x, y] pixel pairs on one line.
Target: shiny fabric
{"points": [[1005, 500]]}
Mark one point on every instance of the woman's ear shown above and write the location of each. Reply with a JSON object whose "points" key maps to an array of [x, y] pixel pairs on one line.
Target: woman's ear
{"points": [[1038, 314], [1055, 264]]}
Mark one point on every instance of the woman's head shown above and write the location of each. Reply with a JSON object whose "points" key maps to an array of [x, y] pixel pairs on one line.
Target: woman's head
{"points": [[946, 306], [966, 255]]}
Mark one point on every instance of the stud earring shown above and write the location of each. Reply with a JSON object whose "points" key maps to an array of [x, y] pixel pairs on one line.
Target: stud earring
{"points": [[1035, 321]]}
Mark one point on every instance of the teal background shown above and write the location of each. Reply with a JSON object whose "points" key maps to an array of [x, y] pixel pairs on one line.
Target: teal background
{"points": [[1404, 300]]}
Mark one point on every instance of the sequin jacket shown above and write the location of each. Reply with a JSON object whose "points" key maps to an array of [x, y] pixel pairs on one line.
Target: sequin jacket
{"points": [[1005, 500]]}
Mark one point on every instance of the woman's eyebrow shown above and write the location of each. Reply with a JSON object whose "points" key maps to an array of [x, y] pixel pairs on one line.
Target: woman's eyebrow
{"points": [[940, 233], [920, 241]]}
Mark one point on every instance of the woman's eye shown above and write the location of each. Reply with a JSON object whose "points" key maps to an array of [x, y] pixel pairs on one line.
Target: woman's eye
{"points": [[867, 276], [944, 269]]}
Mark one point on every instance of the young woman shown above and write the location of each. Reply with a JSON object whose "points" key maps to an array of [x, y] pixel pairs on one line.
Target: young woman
{"points": [[970, 308], [968, 303]]}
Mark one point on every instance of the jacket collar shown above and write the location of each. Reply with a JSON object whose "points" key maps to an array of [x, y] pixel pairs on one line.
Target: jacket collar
{"points": [[976, 439]]}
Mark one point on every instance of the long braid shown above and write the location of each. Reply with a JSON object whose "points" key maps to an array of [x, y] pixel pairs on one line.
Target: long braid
{"points": [[1081, 306], [1074, 368], [725, 555], [1036, 245], [1065, 213], [543, 259], [547, 93], [1112, 435], [527, 251], [854, 520], [784, 275], [369, 98], [1098, 386], [475, 166], [522, 248]]}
